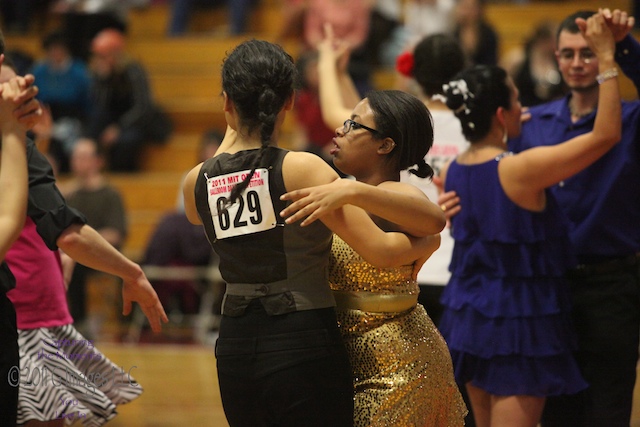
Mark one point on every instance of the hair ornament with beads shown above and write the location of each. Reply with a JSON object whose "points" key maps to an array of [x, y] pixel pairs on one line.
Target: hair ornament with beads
{"points": [[456, 97], [457, 94], [405, 64]]}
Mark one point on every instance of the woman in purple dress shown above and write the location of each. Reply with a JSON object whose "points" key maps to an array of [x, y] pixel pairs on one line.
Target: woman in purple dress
{"points": [[506, 317]]}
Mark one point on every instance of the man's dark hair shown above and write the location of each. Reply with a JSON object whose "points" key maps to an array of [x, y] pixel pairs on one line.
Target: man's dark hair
{"points": [[1, 43], [55, 38], [569, 23]]}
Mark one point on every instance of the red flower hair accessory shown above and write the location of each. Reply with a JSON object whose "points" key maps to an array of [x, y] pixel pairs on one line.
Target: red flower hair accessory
{"points": [[405, 63]]}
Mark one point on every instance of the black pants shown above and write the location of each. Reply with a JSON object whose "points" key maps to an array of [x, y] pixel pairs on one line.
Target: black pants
{"points": [[9, 363], [284, 370], [606, 312]]}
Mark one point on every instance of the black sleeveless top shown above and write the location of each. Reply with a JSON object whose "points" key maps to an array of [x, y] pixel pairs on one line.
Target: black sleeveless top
{"points": [[260, 255]]}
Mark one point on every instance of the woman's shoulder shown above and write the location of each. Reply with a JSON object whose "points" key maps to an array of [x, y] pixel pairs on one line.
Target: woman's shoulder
{"points": [[301, 169], [303, 159]]}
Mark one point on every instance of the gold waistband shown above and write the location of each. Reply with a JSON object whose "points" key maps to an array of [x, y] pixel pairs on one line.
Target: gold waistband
{"points": [[374, 302]]}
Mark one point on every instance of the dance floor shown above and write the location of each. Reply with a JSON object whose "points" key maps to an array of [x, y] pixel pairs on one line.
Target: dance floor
{"points": [[180, 385]]}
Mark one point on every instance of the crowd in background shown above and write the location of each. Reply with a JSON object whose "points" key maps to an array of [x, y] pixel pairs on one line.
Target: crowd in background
{"points": [[98, 106], [75, 66]]}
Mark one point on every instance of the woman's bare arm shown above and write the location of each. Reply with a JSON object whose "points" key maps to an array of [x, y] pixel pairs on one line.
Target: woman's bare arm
{"points": [[351, 223], [398, 203]]}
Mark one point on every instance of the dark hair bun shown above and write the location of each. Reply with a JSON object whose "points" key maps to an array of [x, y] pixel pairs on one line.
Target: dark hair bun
{"points": [[455, 101]]}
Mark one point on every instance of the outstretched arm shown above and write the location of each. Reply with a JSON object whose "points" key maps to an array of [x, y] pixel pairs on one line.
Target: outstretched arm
{"points": [[86, 246], [351, 223]]}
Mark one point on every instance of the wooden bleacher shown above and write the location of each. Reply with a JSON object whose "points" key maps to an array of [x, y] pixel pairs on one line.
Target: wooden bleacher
{"points": [[185, 78]]}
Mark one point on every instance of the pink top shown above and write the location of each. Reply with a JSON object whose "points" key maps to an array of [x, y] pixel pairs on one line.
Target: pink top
{"points": [[39, 297]]}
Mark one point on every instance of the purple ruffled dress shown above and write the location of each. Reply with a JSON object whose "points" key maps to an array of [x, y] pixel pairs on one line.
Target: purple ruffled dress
{"points": [[507, 305]]}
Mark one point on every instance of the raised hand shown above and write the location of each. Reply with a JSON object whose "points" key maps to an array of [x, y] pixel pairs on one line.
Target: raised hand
{"points": [[19, 93], [337, 50], [619, 22], [598, 35]]}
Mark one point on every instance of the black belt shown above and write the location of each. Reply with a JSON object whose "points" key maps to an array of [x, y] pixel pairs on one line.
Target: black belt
{"points": [[606, 267]]}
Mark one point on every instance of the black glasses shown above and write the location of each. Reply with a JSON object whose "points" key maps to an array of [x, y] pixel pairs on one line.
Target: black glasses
{"points": [[568, 55], [350, 124]]}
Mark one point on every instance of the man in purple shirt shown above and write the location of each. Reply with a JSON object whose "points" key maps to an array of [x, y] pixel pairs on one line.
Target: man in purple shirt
{"points": [[603, 206]]}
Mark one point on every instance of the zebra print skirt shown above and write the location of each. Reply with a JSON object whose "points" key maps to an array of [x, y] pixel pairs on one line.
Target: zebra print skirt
{"points": [[62, 375]]}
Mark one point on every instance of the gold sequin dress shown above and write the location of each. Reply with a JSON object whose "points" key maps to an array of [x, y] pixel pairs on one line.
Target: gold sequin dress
{"points": [[402, 369]]}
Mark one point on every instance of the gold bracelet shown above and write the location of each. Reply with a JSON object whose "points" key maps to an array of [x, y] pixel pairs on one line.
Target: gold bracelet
{"points": [[611, 73]]}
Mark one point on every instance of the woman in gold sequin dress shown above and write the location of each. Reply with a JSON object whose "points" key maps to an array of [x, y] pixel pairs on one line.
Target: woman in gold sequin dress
{"points": [[402, 370]]}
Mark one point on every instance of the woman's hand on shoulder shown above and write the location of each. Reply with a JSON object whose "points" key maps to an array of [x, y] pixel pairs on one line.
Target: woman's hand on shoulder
{"points": [[301, 170], [312, 203]]}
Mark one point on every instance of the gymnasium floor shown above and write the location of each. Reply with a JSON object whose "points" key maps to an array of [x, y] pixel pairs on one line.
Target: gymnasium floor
{"points": [[176, 369], [181, 389], [180, 386]]}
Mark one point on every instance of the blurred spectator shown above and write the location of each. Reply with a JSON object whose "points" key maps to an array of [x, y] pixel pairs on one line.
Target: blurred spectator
{"points": [[124, 115], [350, 21], [209, 144], [90, 193], [425, 17], [21, 61], [64, 84], [478, 38], [534, 69], [18, 15], [387, 35], [182, 268], [182, 10], [82, 20], [177, 242]]}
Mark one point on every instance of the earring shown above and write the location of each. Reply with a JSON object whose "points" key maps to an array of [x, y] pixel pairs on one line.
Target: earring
{"points": [[505, 136]]}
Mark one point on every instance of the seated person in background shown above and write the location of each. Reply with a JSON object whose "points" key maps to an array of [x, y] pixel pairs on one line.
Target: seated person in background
{"points": [[124, 115], [181, 11], [478, 38], [426, 17], [177, 242], [90, 193], [64, 83], [82, 20], [534, 69]]}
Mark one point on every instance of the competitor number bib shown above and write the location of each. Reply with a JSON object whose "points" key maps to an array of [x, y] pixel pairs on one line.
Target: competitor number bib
{"points": [[251, 213]]}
